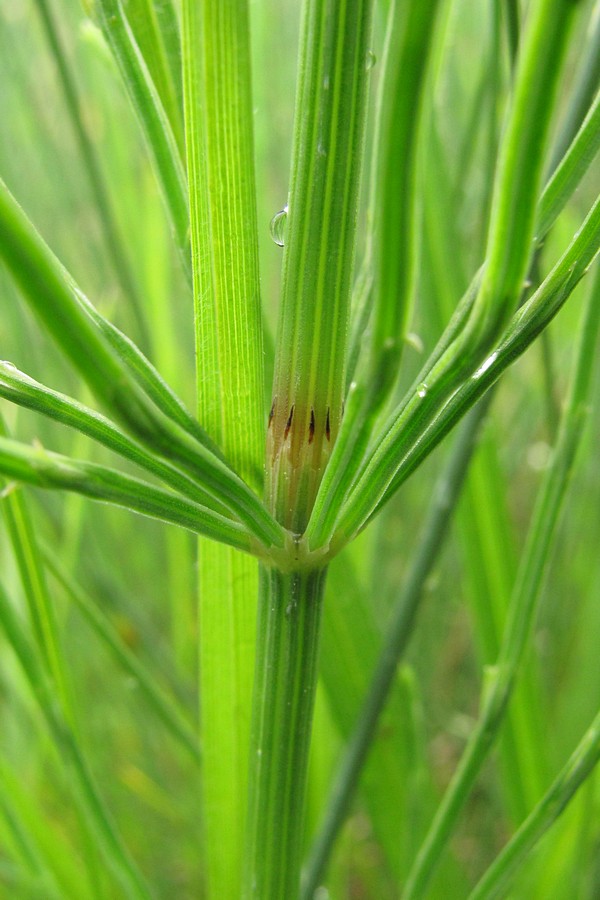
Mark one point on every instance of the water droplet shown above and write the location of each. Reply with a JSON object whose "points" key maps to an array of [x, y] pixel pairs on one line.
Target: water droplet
{"points": [[370, 61], [422, 390], [278, 226], [326, 83], [321, 149]]}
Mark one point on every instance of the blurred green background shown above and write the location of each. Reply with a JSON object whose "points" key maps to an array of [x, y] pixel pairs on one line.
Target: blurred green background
{"points": [[141, 575]]}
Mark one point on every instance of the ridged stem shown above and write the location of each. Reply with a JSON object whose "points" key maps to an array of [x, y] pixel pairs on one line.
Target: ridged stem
{"points": [[289, 618], [318, 257], [229, 381]]}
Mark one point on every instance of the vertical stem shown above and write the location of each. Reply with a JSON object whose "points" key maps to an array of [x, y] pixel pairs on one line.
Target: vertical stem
{"points": [[305, 418], [284, 690], [309, 380], [220, 162]]}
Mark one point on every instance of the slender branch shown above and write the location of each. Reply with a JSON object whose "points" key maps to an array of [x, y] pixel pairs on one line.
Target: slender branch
{"points": [[579, 766], [523, 608], [52, 471], [112, 236], [398, 631], [153, 119]]}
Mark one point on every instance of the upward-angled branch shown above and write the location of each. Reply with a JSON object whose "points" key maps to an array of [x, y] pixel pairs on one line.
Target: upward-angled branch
{"points": [[114, 371]]}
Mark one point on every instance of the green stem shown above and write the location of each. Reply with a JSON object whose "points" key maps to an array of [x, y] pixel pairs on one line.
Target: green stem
{"points": [[229, 381], [309, 378], [284, 689], [391, 253]]}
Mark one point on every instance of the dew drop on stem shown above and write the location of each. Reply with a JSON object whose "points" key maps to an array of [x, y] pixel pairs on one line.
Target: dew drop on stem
{"points": [[370, 60], [277, 227]]}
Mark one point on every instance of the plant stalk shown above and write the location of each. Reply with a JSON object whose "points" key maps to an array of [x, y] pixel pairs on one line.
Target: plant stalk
{"points": [[289, 618]]}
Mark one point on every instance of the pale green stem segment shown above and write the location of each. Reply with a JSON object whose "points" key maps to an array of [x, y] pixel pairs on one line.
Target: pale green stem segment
{"points": [[156, 29], [500, 678], [91, 804], [285, 681], [224, 231], [304, 422], [230, 384], [391, 250], [119, 375], [579, 766], [318, 253], [153, 120]]}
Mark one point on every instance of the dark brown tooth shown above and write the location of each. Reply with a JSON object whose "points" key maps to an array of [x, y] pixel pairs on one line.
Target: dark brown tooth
{"points": [[311, 427], [271, 414], [327, 427], [288, 424]]}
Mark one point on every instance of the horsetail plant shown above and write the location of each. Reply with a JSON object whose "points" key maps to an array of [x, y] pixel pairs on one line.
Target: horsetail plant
{"points": [[274, 484]]}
